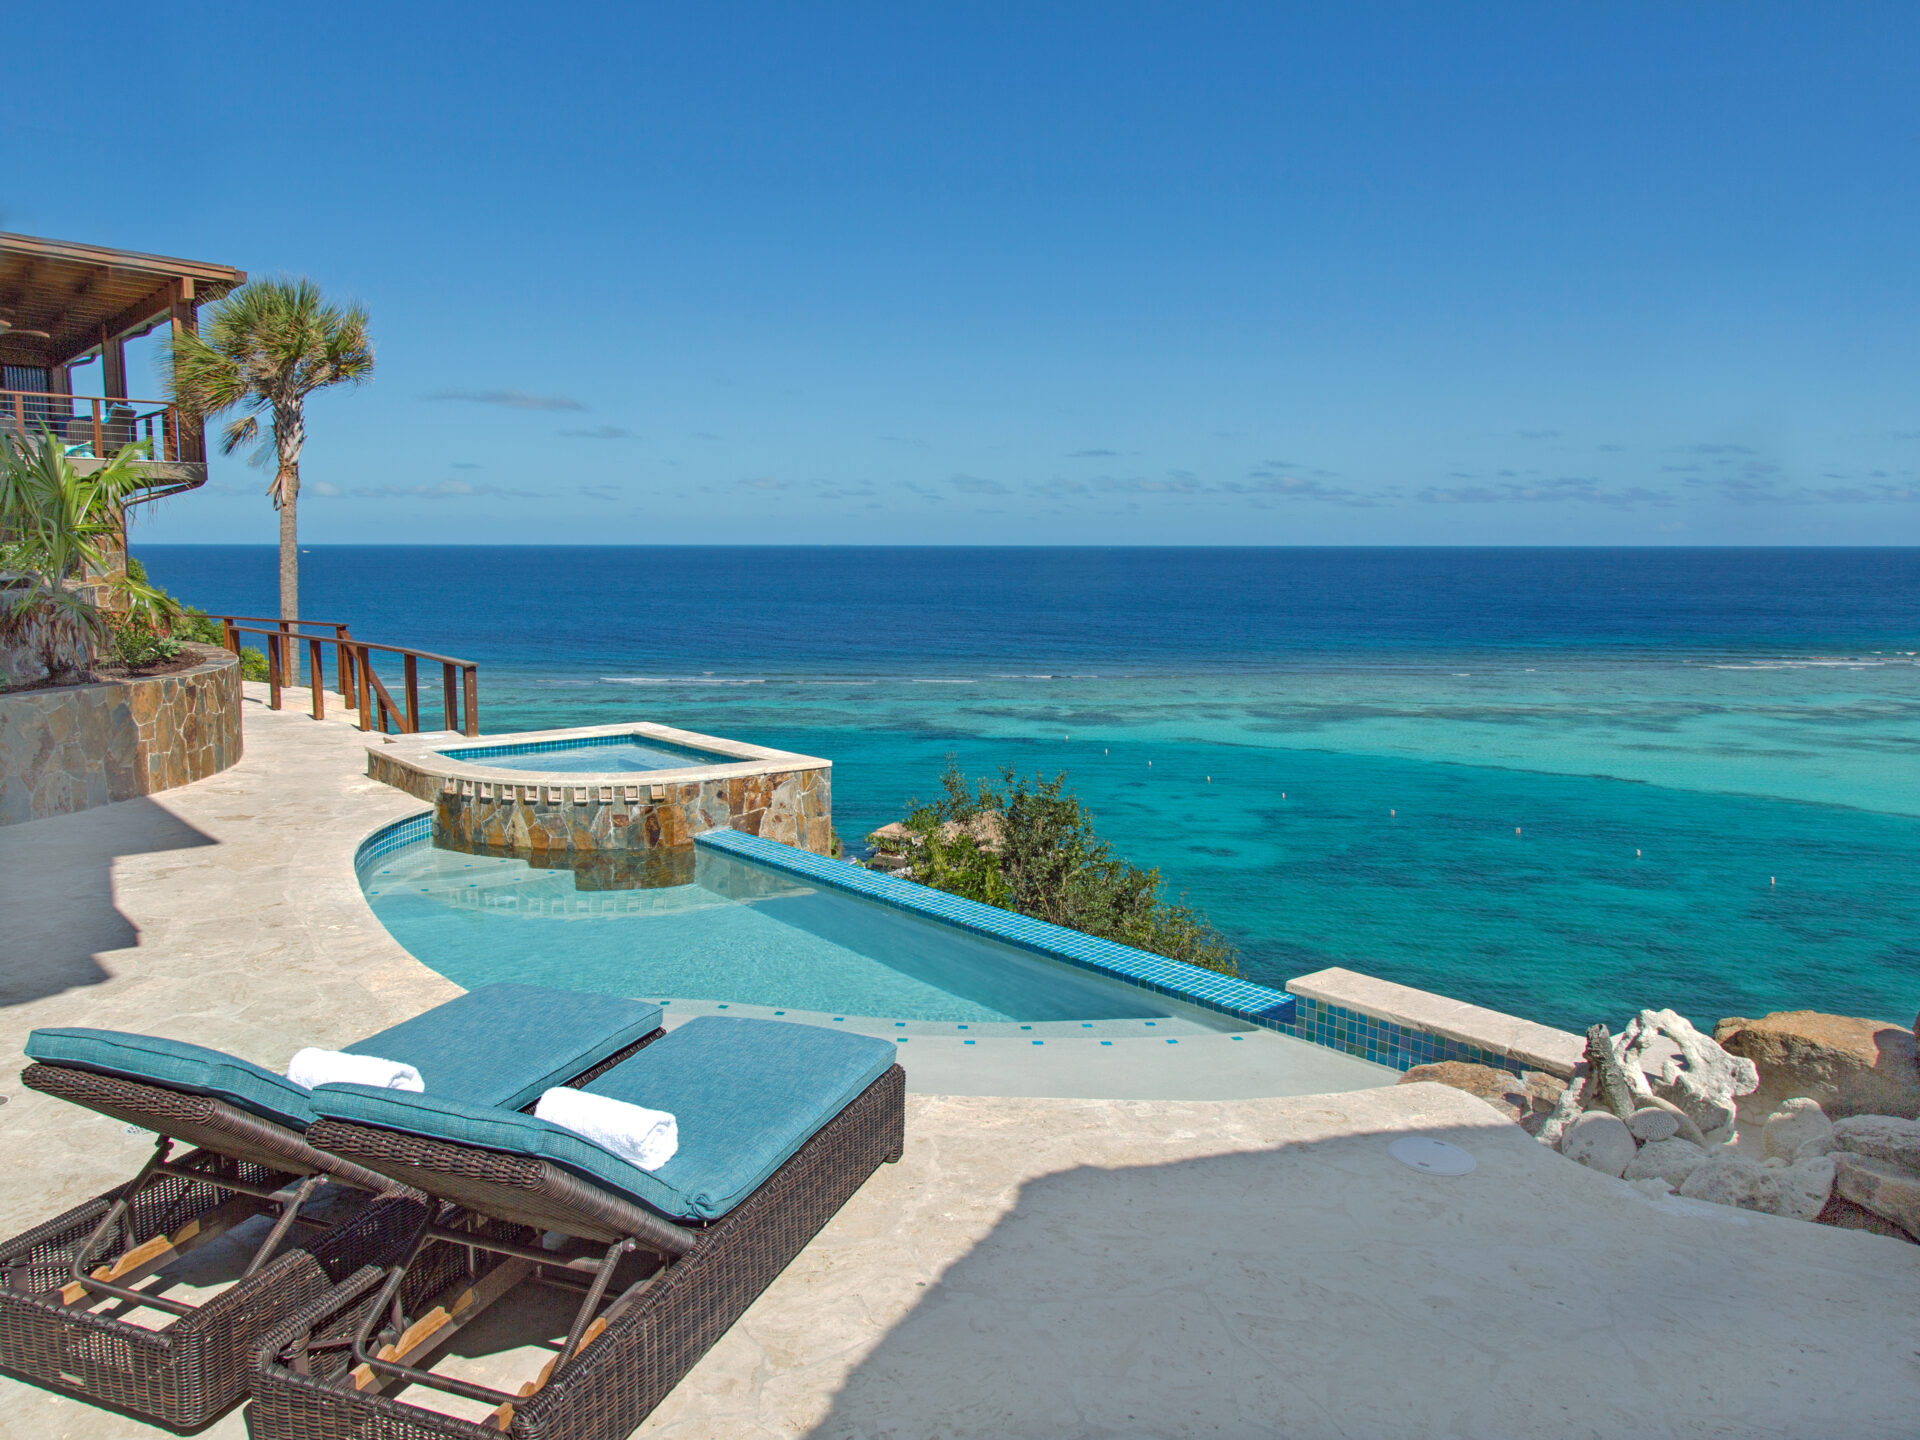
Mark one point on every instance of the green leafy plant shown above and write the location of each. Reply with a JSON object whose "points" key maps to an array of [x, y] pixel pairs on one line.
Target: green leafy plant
{"points": [[1029, 845], [263, 350], [253, 663], [62, 529], [136, 643]]}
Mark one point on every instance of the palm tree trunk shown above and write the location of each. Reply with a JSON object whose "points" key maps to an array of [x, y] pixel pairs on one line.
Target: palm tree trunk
{"points": [[289, 433], [290, 549]]}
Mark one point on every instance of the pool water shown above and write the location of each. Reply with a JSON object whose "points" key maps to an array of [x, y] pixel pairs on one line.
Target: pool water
{"points": [[598, 755], [745, 934]]}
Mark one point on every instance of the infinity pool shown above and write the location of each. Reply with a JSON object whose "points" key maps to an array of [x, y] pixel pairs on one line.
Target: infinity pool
{"points": [[747, 934], [596, 755]]}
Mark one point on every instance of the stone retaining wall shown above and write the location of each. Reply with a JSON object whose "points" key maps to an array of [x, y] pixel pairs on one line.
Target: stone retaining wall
{"points": [[85, 745]]}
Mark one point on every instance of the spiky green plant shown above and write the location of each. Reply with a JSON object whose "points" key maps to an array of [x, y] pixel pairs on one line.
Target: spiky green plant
{"points": [[263, 350], [61, 529]]}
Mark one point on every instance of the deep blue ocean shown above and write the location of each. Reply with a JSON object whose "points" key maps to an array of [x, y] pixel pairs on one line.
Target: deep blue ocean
{"points": [[1564, 783]]}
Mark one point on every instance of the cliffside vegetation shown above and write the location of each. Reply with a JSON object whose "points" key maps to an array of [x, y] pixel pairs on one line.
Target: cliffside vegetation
{"points": [[1028, 844]]}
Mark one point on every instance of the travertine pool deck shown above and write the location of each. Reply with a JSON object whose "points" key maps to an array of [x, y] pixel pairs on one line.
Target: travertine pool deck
{"points": [[1034, 1266]]}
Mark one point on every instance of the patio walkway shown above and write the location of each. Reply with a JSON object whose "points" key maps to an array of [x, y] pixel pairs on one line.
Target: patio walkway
{"points": [[1033, 1266]]}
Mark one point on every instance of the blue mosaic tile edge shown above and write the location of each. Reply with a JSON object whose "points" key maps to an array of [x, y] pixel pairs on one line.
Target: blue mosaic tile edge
{"points": [[1385, 1042], [1242, 999], [590, 742], [399, 835]]}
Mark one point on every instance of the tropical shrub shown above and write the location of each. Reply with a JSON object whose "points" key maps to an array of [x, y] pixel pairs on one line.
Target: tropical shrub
{"points": [[136, 643], [1029, 845], [61, 529]]}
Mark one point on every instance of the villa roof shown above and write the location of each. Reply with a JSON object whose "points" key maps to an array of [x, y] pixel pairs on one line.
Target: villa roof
{"points": [[59, 298]]}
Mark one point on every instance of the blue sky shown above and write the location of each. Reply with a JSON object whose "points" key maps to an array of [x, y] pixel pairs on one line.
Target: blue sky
{"points": [[1127, 274]]}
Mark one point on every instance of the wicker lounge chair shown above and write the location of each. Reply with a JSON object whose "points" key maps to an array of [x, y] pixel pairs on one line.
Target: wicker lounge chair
{"points": [[779, 1125], [68, 1285]]}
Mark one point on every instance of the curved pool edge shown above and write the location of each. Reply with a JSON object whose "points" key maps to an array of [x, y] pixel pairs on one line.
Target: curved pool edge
{"points": [[1228, 995]]}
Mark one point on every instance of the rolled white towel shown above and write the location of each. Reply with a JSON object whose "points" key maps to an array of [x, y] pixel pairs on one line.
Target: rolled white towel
{"points": [[313, 1067], [641, 1137]]}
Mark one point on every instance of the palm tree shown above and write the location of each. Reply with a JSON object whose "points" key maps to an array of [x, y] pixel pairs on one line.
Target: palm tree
{"points": [[267, 347]]}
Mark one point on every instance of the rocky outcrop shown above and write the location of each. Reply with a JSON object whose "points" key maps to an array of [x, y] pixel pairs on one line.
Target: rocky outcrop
{"points": [[1880, 1137], [1666, 1058], [1798, 1130], [1600, 1141], [1890, 1191], [1669, 1160], [1499, 1088], [1849, 1065]]}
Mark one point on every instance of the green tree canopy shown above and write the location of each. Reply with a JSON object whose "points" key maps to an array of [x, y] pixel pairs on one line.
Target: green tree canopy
{"points": [[263, 350]]}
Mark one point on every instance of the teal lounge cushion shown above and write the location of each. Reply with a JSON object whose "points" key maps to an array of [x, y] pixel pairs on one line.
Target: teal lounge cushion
{"points": [[505, 1044], [176, 1065], [498, 1045], [746, 1093]]}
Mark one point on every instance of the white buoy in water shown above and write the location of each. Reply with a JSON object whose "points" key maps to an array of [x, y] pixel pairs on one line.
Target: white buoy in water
{"points": [[1516, 829], [1773, 880], [1392, 813], [1636, 854]]}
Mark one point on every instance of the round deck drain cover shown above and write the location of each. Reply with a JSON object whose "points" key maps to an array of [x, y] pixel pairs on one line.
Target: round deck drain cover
{"points": [[1430, 1156]]}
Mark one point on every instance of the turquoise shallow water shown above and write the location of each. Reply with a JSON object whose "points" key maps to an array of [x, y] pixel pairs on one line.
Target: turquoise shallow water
{"points": [[744, 934], [1370, 821], [1375, 726]]}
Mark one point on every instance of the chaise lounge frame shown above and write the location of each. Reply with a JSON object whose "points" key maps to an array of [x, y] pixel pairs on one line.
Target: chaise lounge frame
{"points": [[327, 1373], [242, 1165]]}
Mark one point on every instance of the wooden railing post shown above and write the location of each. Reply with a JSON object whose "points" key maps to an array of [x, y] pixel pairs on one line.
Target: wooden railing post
{"points": [[471, 673], [287, 676], [99, 435], [342, 662], [273, 670], [449, 698], [365, 687], [230, 635], [317, 676], [413, 693]]}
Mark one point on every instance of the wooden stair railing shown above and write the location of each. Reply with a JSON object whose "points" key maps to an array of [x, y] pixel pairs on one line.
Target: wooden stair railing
{"points": [[360, 685]]}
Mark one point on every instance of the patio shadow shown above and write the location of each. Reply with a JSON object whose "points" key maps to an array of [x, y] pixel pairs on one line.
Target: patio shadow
{"points": [[1323, 1289], [56, 877]]}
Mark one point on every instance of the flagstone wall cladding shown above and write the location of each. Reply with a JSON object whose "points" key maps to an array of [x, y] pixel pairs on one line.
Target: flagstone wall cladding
{"points": [[85, 745], [794, 807]]}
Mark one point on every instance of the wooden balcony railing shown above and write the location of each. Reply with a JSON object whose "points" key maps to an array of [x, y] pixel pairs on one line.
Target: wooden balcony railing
{"points": [[91, 426], [360, 685]]}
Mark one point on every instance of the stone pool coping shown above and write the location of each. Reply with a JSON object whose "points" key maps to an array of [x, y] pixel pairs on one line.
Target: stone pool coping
{"points": [[1400, 1026], [424, 753]]}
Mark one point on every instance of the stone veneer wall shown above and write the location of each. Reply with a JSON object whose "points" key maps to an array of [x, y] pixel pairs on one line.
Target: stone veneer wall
{"points": [[794, 807], [85, 745]]}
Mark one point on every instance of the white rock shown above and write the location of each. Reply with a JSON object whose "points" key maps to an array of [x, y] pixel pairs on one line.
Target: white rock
{"points": [[1669, 1161], [1798, 1130], [1600, 1141], [1652, 1124], [1653, 1187], [1805, 1187], [1730, 1180], [1880, 1137], [1664, 1055]]}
